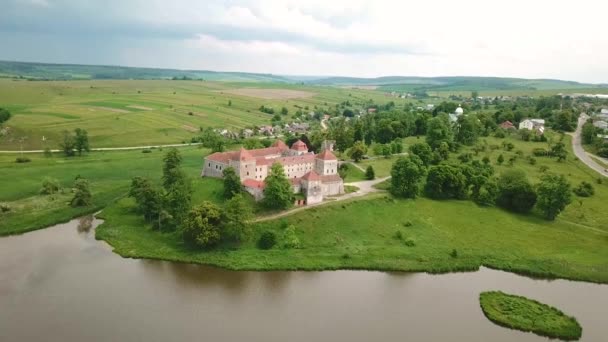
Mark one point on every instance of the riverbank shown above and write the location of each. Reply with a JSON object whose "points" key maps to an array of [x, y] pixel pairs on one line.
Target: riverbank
{"points": [[426, 236]]}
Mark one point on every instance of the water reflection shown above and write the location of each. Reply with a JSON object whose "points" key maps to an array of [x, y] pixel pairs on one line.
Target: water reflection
{"points": [[60, 284]]}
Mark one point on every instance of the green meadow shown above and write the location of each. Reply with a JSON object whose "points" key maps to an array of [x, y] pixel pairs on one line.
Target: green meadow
{"points": [[120, 113]]}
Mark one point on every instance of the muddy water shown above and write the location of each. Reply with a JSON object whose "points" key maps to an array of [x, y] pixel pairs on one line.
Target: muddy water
{"points": [[59, 284]]}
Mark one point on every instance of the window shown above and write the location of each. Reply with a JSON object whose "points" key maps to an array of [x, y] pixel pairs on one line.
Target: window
{"points": [[209, 164], [247, 173]]}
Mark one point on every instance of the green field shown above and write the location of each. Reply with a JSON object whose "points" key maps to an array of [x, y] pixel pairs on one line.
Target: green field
{"points": [[110, 175], [120, 113], [525, 314]]}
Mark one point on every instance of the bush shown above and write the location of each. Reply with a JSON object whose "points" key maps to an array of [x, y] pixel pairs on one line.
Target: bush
{"points": [[410, 242], [82, 193], [454, 253], [398, 235], [540, 152], [4, 208], [146, 150], [290, 239], [23, 160], [584, 189], [50, 186], [370, 174], [515, 192], [267, 240]]}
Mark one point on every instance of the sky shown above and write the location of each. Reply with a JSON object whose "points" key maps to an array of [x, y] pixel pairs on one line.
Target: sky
{"points": [[530, 39]]}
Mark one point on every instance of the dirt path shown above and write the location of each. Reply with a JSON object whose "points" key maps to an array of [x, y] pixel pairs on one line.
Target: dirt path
{"points": [[365, 188], [580, 153], [109, 148]]}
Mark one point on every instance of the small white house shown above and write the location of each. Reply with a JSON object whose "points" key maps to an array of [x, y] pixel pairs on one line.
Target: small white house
{"points": [[532, 124], [604, 111], [600, 124]]}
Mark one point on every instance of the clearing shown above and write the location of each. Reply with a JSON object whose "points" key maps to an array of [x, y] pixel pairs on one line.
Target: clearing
{"points": [[271, 94]]}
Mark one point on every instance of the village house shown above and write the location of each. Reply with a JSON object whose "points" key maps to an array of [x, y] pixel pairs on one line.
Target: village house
{"points": [[537, 125], [507, 125], [600, 124], [313, 175]]}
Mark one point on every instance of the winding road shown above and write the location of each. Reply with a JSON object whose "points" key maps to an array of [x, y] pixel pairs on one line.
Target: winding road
{"points": [[580, 153]]}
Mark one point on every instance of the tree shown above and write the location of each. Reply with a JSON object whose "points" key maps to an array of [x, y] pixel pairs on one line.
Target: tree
{"points": [[445, 181], [232, 182], [565, 121], [343, 171], [474, 95], [202, 226], [369, 173], [50, 186], [438, 131], [406, 177], [4, 115], [236, 216], [284, 111], [358, 151], [278, 193], [515, 192], [81, 141], [554, 194], [588, 133], [486, 193], [500, 159], [423, 151], [82, 193], [147, 197], [177, 186], [469, 128], [584, 189], [290, 238], [559, 150], [68, 144], [171, 168]]}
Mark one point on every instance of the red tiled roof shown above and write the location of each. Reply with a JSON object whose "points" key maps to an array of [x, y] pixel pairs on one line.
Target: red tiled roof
{"points": [[301, 159], [220, 157], [507, 124], [311, 176], [299, 145], [280, 144], [330, 178], [243, 154], [326, 155], [252, 183]]}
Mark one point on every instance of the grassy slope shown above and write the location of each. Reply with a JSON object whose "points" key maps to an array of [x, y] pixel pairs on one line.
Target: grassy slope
{"points": [[525, 314], [105, 109], [109, 173]]}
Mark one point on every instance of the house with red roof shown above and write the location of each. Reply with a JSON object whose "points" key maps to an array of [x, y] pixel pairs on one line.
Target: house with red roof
{"points": [[313, 175]]}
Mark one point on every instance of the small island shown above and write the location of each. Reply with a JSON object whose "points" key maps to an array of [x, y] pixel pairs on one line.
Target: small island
{"points": [[528, 315]]}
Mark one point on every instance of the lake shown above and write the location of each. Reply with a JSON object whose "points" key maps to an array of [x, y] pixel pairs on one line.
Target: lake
{"points": [[60, 284]]}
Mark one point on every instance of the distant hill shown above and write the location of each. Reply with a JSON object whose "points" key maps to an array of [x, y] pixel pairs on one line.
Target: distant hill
{"points": [[79, 72], [46, 71], [457, 83]]}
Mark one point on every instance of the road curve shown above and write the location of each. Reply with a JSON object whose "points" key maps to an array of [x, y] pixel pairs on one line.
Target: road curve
{"points": [[580, 153]]}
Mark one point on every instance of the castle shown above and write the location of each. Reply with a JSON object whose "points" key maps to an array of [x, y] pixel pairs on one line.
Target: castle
{"points": [[313, 175]]}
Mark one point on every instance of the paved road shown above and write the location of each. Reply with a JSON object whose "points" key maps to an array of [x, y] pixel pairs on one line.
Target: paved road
{"points": [[110, 148], [365, 188], [580, 152]]}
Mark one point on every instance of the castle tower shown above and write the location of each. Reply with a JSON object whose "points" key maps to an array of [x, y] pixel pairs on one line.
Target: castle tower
{"points": [[326, 163]]}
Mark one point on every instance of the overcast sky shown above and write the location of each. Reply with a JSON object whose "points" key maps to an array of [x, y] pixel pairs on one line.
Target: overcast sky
{"points": [[531, 38]]}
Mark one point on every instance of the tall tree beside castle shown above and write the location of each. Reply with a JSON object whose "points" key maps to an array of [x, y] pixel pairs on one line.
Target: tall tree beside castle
{"points": [[278, 193]]}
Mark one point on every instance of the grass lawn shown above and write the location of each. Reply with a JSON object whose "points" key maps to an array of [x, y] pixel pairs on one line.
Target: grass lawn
{"points": [[354, 174], [382, 166], [109, 173], [525, 314]]}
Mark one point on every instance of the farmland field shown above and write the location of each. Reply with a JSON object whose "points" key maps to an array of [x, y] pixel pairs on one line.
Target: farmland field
{"points": [[145, 112]]}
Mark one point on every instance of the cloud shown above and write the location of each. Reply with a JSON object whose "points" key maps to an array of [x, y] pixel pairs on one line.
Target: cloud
{"points": [[358, 37]]}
